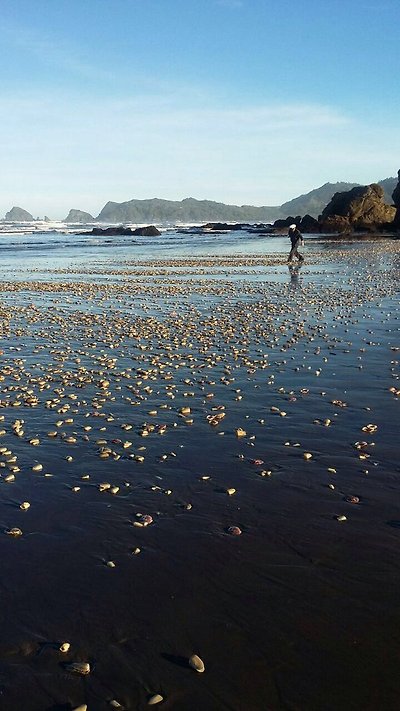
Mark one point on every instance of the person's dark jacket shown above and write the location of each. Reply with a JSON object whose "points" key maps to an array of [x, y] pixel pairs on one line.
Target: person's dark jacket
{"points": [[295, 236]]}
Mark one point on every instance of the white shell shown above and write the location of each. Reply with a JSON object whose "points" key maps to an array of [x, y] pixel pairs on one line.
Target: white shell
{"points": [[156, 699], [79, 668], [196, 663]]}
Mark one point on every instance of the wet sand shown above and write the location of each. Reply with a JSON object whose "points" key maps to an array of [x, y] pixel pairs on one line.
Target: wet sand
{"points": [[205, 394]]}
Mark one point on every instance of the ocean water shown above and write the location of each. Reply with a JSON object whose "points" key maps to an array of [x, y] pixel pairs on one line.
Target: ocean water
{"points": [[60, 250]]}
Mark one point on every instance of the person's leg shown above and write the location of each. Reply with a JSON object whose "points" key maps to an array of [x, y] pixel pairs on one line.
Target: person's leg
{"points": [[292, 253]]}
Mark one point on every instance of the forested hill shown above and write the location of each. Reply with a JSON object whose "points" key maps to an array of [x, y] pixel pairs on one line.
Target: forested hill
{"points": [[191, 210]]}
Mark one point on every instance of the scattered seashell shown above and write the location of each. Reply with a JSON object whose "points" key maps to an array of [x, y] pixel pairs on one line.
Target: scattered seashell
{"points": [[341, 518], [65, 647], [240, 432], [14, 532], [116, 705], [82, 707], [79, 668], [234, 530], [24, 506], [156, 699], [231, 491], [352, 499], [196, 663], [307, 455]]}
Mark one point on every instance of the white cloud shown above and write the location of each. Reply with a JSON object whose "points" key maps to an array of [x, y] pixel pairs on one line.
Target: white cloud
{"points": [[64, 151], [53, 51]]}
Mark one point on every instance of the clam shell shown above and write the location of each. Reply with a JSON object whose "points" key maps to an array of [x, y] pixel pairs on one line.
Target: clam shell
{"points": [[14, 532], [196, 663], [79, 668], [234, 530], [156, 699]]}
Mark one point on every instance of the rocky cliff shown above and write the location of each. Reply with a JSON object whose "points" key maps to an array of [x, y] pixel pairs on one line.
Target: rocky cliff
{"points": [[362, 208], [18, 214], [77, 216], [396, 201]]}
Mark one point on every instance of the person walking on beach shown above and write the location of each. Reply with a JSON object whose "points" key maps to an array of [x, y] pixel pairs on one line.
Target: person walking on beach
{"points": [[296, 239]]}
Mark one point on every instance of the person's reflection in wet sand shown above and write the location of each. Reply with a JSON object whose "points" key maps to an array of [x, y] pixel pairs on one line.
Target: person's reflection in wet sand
{"points": [[294, 271]]}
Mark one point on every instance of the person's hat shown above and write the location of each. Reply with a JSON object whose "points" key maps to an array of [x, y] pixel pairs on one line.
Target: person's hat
{"points": [[292, 227]]}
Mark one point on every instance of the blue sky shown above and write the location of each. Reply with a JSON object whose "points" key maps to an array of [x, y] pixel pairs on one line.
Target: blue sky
{"points": [[240, 101]]}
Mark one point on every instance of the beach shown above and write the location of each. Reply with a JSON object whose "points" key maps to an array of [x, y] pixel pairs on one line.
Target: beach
{"points": [[199, 455]]}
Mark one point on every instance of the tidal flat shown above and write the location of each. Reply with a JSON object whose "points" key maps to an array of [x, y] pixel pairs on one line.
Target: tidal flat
{"points": [[199, 456]]}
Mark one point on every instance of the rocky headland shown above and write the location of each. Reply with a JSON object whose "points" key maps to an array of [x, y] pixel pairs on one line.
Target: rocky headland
{"points": [[360, 210]]}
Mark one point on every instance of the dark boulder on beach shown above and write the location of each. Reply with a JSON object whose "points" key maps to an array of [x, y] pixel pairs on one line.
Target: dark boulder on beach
{"points": [[149, 231], [335, 224], [308, 224], [18, 214], [225, 226], [362, 207], [286, 222], [109, 231]]}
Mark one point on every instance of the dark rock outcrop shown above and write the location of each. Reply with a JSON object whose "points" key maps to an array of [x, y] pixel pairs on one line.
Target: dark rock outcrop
{"points": [[149, 231], [18, 214], [396, 201], [362, 207], [77, 216], [308, 224], [224, 226], [335, 224]]}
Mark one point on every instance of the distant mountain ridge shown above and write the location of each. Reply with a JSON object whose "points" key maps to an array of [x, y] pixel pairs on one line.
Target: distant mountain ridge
{"points": [[187, 210], [191, 210], [157, 210]]}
